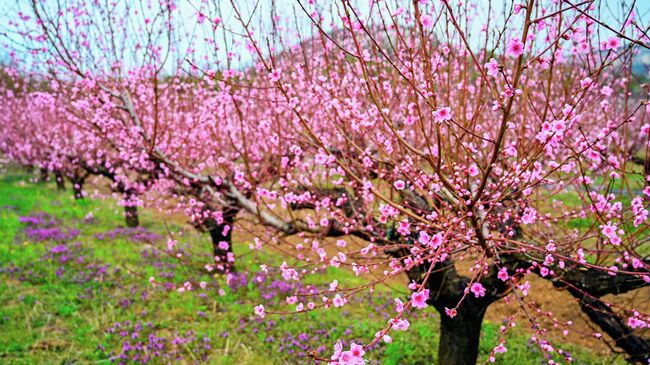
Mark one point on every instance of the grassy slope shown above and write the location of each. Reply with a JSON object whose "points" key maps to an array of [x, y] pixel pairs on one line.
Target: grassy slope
{"points": [[57, 319]]}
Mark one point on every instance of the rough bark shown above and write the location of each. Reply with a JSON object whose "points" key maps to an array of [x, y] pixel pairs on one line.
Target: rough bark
{"points": [[43, 175], [637, 348], [459, 336], [588, 285], [219, 233], [131, 216], [60, 181], [78, 178], [130, 210], [77, 188]]}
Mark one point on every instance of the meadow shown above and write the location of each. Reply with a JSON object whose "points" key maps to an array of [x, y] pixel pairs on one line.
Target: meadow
{"points": [[75, 290]]}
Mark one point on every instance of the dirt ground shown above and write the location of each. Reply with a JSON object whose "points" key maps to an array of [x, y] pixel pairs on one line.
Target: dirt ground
{"points": [[552, 307], [560, 307]]}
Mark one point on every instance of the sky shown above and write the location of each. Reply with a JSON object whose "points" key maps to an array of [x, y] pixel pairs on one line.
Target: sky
{"points": [[288, 10]]}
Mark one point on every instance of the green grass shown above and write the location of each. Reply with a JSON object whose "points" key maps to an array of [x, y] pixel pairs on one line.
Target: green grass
{"points": [[51, 319], [624, 189]]}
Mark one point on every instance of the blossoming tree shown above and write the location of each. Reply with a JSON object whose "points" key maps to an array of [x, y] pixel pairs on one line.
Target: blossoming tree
{"points": [[480, 150]]}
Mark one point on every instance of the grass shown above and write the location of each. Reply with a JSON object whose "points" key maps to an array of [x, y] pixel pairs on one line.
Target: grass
{"points": [[79, 316]]}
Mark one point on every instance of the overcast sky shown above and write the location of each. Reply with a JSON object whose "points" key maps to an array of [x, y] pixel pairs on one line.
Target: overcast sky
{"points": [[290, 14]]}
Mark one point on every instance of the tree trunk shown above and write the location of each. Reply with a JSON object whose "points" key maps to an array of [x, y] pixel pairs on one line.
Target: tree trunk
{"points": [[77, 188], [220, 240], [459, 336], [131, 215], [130, 210], [637, 347], [44, 175], [60, 182]]}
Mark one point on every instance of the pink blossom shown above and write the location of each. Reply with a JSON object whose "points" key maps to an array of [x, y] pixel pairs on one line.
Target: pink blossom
{"points": [[451, 313], [518, 8], [524, 288], [424, 238], [404, 228], [529, 216], [500, 349], [401, 324], [346, 358], [426, 20], [503, 274], [478, 290], [606, 91], [334, 284], [442, 114], [399, 185], [399, 305], [612, 270], [259, 310], [436, 240], [419, 299], [338, 301], [636, 323], [559, 126], [275, 74], [551, 247], [473, 170], [492, 67], [338, 348], [609, 231], [612, 43], [515, 48], [357, 350]]}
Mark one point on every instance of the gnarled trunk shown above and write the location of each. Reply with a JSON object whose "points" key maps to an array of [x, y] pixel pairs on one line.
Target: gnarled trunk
{"points": [[77, 188], [130, 209], [459, 336], [131, 215], [221, 235], [60, 182], [43, 175], [636, 347]]}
